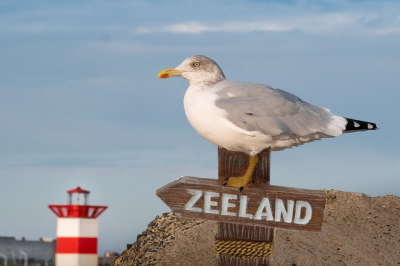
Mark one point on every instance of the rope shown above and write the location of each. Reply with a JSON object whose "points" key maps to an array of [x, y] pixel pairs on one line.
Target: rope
{"points": [[243, 249]]}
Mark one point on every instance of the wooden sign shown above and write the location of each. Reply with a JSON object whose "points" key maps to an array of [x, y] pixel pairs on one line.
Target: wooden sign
{"points": [[258, 204], [247, 218]]}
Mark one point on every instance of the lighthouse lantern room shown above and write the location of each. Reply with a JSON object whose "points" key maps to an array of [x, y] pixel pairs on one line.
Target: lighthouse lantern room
{"points": [[77, 230]]}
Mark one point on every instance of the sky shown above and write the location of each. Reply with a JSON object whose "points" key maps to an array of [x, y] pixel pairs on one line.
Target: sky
{"points": [[80, 103]]}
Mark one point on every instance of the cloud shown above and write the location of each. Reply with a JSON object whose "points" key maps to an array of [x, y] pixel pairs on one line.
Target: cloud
{"points": [[36, 28], [387, 31], [40, 28], [363, 19], [319, 24], [195, 27]]}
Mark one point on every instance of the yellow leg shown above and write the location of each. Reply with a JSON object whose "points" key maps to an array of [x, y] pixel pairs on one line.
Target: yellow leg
{"points": [[242, 181]]}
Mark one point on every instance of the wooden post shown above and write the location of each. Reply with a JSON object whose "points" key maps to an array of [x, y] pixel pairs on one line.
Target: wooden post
{"points": [[239, 244]]}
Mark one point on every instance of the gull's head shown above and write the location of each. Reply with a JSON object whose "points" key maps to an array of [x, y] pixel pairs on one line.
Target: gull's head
{"points": [[197, 69]]}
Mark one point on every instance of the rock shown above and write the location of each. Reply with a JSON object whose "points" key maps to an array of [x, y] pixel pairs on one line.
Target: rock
{"points": [[357, 230]]}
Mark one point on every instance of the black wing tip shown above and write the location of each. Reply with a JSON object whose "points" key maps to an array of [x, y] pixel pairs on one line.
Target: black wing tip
{"points": [[358, 125]]}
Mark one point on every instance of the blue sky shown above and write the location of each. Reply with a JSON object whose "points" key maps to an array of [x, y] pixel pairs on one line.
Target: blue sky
{"points": [[80, 103]]}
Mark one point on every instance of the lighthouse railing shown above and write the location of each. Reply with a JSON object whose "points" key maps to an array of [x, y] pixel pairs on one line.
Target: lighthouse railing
{"points": [[77, 211]]}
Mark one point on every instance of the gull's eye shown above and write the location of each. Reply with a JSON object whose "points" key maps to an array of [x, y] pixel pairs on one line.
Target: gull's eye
{"points": [[196, 64]]}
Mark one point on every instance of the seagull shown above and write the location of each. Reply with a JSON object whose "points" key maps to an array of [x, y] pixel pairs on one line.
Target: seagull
{"points": [[250, 117]]}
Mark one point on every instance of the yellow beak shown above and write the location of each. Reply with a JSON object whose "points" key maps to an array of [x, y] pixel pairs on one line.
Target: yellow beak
{"points": [[168, 72]]}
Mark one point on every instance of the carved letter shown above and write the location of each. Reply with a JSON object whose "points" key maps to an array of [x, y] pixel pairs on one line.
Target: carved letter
{"points": [[264, 204], [281, 211], [196, 196], [243, 208], [208, 203], [225, 204], [307, 217]]}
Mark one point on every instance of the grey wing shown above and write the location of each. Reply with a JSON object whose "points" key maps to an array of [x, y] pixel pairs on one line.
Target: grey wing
{"points": [[257, 107]]}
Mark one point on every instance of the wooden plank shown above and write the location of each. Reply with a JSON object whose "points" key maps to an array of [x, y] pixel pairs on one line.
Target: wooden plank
{"points": [[287, 207]]}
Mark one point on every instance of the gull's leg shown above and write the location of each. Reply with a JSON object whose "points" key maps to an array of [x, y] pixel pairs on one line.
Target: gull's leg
{"points": [[242, 181]]}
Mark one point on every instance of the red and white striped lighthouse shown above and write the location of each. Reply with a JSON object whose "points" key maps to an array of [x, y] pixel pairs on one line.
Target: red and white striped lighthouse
{"points": [[77, 230]]}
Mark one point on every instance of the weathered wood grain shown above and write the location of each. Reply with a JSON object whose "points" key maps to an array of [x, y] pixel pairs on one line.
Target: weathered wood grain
{"points": [[176, 195]]}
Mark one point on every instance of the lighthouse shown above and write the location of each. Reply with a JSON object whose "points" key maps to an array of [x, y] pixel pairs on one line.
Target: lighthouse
{"points": [[77, 230]]}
